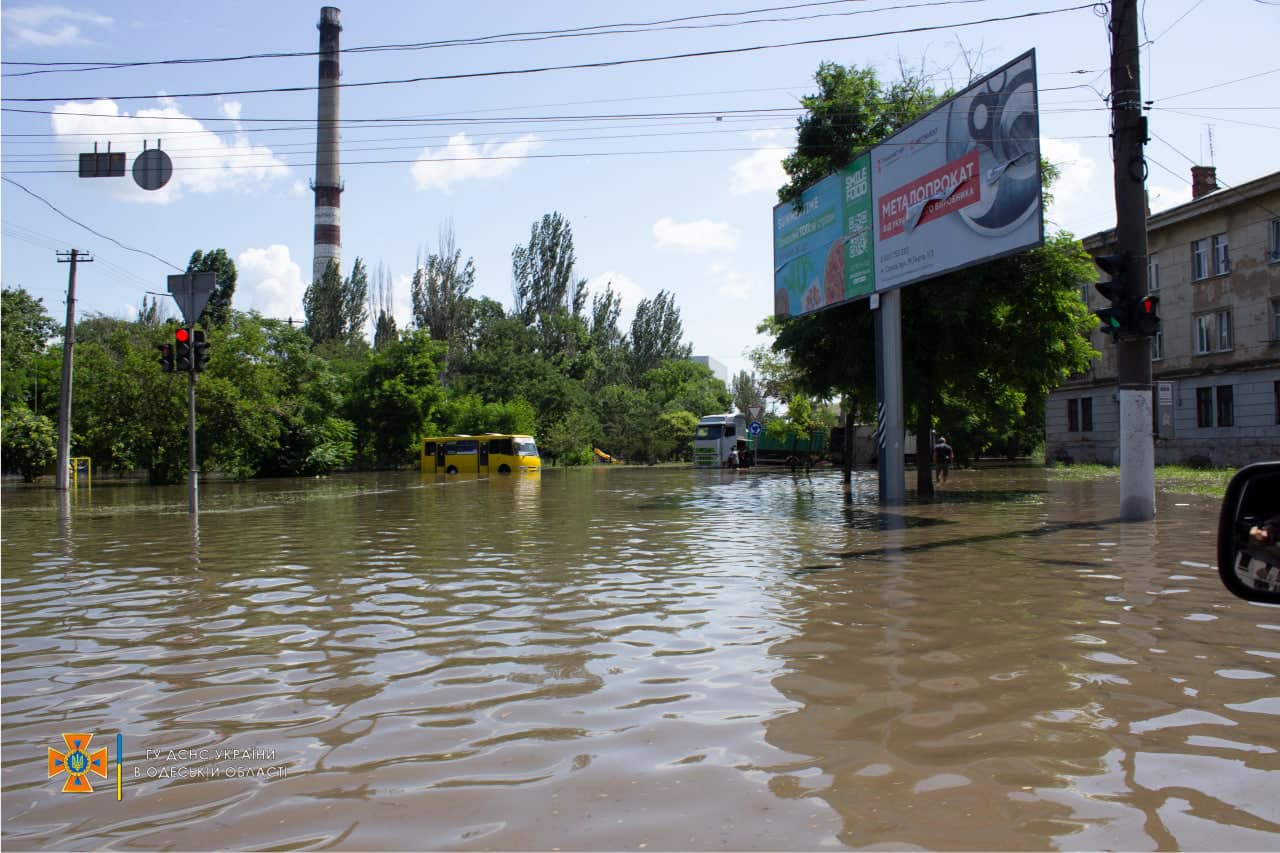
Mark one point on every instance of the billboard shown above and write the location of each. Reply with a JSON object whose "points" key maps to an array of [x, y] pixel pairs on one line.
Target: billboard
{"points": [[962, 184], [958, 187], [822, 247]]}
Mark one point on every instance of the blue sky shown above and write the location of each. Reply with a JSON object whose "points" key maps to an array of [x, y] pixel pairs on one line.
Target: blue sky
{"points": [[666, 170]]}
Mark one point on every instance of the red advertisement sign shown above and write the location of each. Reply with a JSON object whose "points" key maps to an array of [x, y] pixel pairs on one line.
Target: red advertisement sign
{"points": [[950, 187]]}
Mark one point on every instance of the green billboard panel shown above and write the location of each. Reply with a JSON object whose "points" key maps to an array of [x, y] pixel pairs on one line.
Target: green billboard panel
{"points": [[823, 251]]}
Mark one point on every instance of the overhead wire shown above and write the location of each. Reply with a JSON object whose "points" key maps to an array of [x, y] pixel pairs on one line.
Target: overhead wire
{"points": [[88, 228], [502, 38], [609, 63]]}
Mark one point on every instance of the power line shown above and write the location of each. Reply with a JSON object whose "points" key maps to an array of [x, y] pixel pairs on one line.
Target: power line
{"points": [[55, 209], [503, 38], [611, 63]]}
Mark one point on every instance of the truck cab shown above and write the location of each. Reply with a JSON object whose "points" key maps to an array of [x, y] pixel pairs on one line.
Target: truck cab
{"points": [[716, 437]]}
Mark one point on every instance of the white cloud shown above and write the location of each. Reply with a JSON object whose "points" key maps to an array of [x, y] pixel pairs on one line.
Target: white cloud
{"points": [[762, 170], [272, 281], [459, 160], [731, 283], [232, 109], [623, 285], [702, 235], [203, 161], [1165, 196], [1083, 201], [51, 26]]}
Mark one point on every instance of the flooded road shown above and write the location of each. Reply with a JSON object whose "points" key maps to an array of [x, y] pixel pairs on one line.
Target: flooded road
{"points": [[633, 659]]}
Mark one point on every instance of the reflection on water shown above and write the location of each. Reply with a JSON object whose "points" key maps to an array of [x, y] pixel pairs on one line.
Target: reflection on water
{"points": [[629, 658]]}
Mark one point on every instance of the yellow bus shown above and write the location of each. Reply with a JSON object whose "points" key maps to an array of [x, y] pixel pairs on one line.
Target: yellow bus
{"points": [[479, 454]]}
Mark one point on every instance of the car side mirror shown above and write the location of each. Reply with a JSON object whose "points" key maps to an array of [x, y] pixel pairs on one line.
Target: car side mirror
{"points": [[1249, 533]]}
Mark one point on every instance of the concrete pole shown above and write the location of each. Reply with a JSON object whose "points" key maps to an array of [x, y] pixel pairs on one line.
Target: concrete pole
{"points": [[328, 181], [889, 430], [1133, 355], [62, 476]]}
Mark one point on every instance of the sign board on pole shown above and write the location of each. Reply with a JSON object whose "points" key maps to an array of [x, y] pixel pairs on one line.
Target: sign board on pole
{"points": [[823, 247], [754, 411], [756, 428], [962, 185], [108, 164], [191, 292], [152, 169], [958, 187]]}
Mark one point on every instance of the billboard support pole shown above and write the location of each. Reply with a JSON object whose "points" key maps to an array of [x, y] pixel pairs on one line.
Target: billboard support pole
{"points": [[1133, 355], [889, 428]]}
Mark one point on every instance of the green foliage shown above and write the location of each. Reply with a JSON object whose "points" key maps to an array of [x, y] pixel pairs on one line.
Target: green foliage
{"points": [[657, 335], [394, 397], [674, 434], [25, 329], [30, 442], [570, 440], [336, 310], [440, 301], [468, 414], [218, 309]]}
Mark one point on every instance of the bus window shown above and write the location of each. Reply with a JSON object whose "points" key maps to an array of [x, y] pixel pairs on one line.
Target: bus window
{"points": [[500, 445], [708, 431], [466, 448], [429, 448], [525, 447]]}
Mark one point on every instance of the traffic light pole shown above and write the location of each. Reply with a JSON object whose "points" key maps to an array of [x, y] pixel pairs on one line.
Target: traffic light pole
{"points": [[193, 476], [1133, 352]]}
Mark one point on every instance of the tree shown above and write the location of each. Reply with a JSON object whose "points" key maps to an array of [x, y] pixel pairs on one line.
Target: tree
{"points": [[746, 391], [543, 280], [218, 308], [380, 307], [25, 329], [30, 442], [656, 334], [393, 400], [1028, 306], [440, 297], [336, 309]]}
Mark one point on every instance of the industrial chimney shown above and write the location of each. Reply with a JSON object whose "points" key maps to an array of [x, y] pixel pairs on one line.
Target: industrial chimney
{"points": [[328, 183]]}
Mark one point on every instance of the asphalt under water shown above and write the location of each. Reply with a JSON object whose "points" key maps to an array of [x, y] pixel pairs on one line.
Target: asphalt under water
{"points": [[629, 658]]}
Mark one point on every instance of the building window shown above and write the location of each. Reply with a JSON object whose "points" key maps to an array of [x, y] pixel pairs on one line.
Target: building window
{"points": [[1157, 346], [1275, 390], [1212, 332], [1153, 273], [1204, 407], [1199, 259], [1084, 293], [1273, 240], [1080, 414], [1226, 406], [1275, 319], [1221, 257]]}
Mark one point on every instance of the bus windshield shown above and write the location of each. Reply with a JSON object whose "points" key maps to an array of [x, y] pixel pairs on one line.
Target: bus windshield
{"points": [[708, 431], [526, 447]]}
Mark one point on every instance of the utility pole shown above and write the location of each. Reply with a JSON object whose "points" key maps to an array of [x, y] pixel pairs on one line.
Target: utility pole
{"points": [[1133, 351], [62, 475]]}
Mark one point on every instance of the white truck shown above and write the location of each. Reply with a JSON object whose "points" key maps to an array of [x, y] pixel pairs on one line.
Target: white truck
{"points": [[716, 437]]}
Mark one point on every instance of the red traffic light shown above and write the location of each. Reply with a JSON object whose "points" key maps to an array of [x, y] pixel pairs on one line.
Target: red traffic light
{"points": [[182, 335]]}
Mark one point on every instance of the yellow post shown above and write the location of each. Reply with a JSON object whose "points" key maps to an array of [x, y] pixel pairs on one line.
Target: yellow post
{"points": [[79, 463]]}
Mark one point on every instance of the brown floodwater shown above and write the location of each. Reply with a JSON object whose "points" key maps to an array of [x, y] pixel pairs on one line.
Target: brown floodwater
{"points": [[628, 658]]}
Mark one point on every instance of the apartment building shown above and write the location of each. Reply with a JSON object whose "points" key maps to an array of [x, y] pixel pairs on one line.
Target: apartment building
{"points": [[1215, 263]]}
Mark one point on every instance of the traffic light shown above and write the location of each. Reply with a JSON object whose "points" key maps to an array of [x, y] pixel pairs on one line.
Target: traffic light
{"points": [[166, 357], [1115, 317], [1146, 322], [182, 350], [199, 350]]}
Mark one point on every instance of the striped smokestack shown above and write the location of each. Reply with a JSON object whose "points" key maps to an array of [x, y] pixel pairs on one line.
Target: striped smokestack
{"points": [[328, 183]]}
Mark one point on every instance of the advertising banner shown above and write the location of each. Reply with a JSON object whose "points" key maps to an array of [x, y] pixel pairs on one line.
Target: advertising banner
{"points": [[962, 184], [823, 250]]}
